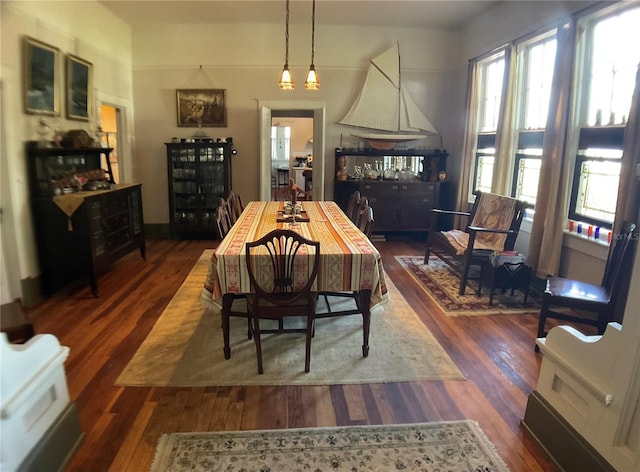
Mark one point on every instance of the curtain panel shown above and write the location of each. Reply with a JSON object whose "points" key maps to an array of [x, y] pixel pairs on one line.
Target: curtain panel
{"points": [[545, 245], [469, 144], [505, 131]]}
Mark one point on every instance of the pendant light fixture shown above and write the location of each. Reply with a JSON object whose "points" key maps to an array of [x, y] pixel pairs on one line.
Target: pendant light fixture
{"points": [[286, 82], [312, 82]]}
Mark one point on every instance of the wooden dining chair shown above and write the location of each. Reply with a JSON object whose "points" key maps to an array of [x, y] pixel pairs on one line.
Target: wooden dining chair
{"points": [[352, 205], [235, 206], [361, 211], [492, 225], [282, 266], [223, 221], [595, 305], [365, 223]]}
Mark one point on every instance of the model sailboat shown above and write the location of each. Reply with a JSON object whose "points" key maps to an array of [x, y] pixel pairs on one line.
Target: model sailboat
{"points": [[385, 107]]}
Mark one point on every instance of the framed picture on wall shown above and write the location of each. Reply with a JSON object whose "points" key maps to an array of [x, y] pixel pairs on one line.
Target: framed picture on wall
{"points": [[79, 87], [202, 108], [41, 72]]}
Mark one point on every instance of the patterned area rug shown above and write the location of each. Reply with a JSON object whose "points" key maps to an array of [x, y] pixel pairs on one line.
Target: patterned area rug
{"points": [[184, 348], [456, 446], [442, 285]]}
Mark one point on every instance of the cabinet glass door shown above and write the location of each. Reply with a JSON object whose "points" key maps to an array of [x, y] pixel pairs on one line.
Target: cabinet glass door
{"points": [[185, 192], [198, 178], [212, 181]]}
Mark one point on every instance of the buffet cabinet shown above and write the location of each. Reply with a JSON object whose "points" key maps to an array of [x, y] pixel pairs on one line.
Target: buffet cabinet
{"points": [[402, 186], [80, 233], [199, 174]]}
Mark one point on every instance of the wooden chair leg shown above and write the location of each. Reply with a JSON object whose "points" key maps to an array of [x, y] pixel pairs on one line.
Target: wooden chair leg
{"points": [[542, 320], [256, 334], [310, 329], [427, 253]]}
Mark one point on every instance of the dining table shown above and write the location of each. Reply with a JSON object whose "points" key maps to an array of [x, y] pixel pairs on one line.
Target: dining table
{"points": [[349, 262]]}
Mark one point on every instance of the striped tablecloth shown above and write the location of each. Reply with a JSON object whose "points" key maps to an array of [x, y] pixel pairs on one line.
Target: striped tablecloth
{"points": [[348, 260]]}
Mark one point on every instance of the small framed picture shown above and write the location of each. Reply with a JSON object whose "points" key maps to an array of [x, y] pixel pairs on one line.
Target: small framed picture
{"points": [[41, 78], [202, 108], [79, 87]]}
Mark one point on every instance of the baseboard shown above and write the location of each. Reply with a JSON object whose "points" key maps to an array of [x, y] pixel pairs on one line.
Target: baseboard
{"points": [[563, 444], [56, 447]]}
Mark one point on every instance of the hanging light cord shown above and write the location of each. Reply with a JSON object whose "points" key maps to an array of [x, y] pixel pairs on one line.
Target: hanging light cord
{"points": [[286, 37], [313, 30]]}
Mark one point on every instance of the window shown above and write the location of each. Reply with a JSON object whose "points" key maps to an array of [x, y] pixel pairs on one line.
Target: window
{"points": [[536, 60], [490, 78], [597, 172], [611, 55]]}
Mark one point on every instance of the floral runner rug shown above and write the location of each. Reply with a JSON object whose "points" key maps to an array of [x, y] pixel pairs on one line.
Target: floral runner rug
{"points": [[442, 285], [455, 446]]}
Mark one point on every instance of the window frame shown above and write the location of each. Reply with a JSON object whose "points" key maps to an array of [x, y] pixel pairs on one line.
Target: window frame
{"points": [[482, 136], [602, 134], [523, 51]]}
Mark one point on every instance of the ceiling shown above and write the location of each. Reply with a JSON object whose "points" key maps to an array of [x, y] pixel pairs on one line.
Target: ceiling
{"points": [[441, 14]]}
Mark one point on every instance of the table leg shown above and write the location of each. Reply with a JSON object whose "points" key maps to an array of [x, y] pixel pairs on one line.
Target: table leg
{"points": [[364, 301], [227, 301]]}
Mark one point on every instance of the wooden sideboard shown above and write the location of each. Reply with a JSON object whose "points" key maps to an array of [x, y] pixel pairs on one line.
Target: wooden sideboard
{"points": [[398, 205], [80, 234]]}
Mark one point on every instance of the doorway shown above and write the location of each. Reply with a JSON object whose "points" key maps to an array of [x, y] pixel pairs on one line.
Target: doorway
{"points": [[109, 119], [291, 149], [284, 110]]}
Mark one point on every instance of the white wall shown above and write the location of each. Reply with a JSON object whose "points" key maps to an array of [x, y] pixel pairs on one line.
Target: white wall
{"points": [[85, 29], [246, 59]]}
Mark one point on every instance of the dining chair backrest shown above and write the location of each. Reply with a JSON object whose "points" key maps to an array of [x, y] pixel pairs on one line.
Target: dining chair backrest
{"points": [[352, 205], [235, 206], [366, 221], [360, 210], [620, 254], [291, 269], [223, 222]]}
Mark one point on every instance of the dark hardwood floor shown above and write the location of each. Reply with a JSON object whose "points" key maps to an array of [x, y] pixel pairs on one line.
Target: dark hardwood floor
{"points": [[123, 424]]}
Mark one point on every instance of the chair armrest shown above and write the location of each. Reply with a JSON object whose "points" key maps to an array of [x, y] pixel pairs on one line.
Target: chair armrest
{"points": [[450, 212], [479, 229]]}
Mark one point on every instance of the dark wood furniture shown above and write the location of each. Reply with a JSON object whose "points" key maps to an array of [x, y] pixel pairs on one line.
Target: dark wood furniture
{"points": [[199, 173], [494, 221], [80, 234], [507, 276], [276, 296], [15, 324], [400, 205], [592, 305]]}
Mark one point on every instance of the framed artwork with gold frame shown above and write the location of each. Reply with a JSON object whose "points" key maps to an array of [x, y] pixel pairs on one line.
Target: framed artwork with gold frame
{"points": [[79, 88], [41, 88], [202, 108]]}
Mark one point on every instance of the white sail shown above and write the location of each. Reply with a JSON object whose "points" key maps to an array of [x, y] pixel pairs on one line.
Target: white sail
{"points": [[385, 106]]}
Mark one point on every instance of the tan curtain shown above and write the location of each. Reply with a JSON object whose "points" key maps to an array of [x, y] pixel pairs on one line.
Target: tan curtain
{"points": [[628, 203], [545, 245], [504, 134], [469, 145]]}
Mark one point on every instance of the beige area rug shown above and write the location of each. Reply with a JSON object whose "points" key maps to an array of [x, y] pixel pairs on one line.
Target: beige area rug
{"points": [[184, 348], [454, 446], [442, 285]]}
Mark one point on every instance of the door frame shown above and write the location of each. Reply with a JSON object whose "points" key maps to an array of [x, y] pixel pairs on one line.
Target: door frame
{"points": [[265, 108], [124, 115]]}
